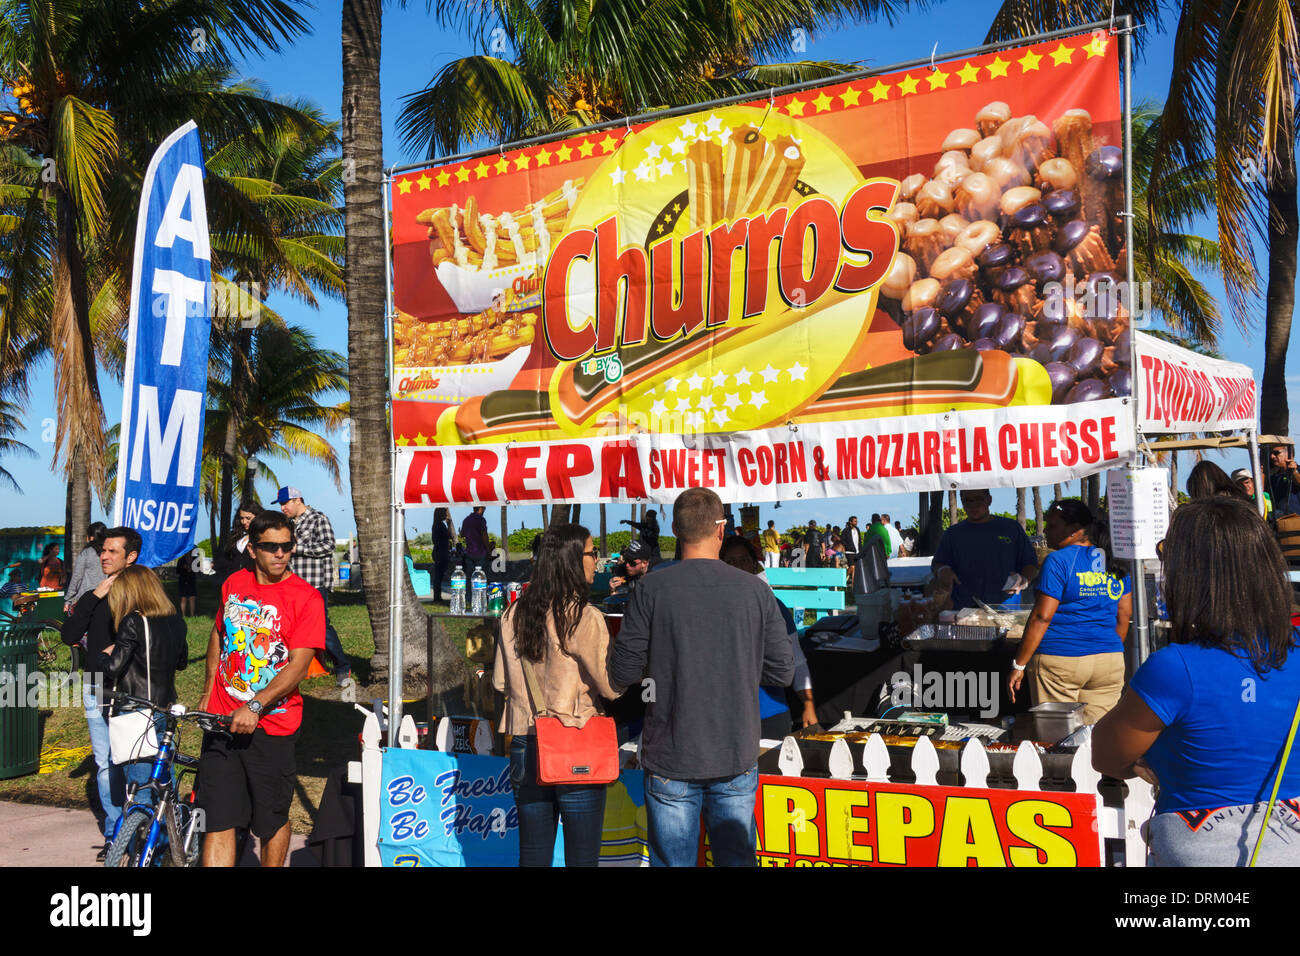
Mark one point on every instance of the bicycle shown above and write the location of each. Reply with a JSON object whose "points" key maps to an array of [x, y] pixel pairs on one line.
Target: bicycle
{"points": [[166, 831]]}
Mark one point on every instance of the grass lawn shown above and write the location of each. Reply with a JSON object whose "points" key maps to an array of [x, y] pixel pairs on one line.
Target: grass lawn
{"points": [[329, 729]]}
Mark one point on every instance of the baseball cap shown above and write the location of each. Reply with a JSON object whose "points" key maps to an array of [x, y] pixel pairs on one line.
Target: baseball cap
{"points": [[636, 551], [287, 492], [1241, 473]]}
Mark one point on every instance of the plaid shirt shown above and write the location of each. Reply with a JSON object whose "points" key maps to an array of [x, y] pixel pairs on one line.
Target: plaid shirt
{"points": [[313, 556]]}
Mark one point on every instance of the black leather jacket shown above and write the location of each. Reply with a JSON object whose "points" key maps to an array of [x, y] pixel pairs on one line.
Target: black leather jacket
{"points": [[124, 669]]}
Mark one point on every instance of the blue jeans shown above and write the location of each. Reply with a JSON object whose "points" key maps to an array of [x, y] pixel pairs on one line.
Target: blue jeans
{"points": [[673, 809], [98, 726], [581, 807]]}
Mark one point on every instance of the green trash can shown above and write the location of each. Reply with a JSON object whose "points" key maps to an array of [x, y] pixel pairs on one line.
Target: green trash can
{"points": [[20, 741]]}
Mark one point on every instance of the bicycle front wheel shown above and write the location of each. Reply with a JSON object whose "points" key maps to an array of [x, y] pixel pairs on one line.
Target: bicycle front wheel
{"points": [[129, 845]]}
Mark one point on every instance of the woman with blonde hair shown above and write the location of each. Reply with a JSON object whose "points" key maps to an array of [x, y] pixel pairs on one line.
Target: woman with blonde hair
{"points": [[149, 649]]}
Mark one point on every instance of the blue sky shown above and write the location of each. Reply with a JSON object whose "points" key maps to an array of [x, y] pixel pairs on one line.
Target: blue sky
{"points": [[414, 48]]}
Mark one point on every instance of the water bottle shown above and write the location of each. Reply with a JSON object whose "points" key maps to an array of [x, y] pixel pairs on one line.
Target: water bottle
{"points": [[478, 592], [458, 591]]}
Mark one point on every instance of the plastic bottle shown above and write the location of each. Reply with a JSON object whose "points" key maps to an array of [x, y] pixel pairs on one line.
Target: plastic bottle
{"points": [[478, 591], [458, 591]]}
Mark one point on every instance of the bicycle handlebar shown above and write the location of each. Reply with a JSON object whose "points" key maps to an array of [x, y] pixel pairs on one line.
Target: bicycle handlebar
{"points": [[207, 721]]}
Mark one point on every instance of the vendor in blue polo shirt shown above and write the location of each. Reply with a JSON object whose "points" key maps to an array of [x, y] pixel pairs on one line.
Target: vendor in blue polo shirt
{"points": [[986, 556], [1073, 648]]}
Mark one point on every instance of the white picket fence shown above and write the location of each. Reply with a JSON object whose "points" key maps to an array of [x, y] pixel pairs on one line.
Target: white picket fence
{"points": [[1118, 823]]}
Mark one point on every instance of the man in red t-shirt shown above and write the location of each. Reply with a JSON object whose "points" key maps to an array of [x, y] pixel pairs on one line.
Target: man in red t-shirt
{"points": [[269, 625]]}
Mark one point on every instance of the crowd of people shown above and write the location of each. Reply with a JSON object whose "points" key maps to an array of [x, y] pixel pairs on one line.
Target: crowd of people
{"points": [[271, 620]]}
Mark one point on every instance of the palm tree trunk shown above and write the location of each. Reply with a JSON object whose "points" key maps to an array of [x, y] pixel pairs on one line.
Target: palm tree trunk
{"points": [[1038, 510], [559, 515], [1056, 492], [368, 457], [604, 546], [1020, 506], [80, 435], [546, 518], [1094, 493], [1283, 229], [1173, 471], [505, 534], [952, 508], [576, 514]]}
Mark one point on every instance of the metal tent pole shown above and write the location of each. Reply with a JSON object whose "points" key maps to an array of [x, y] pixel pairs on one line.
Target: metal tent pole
{"points": [[1140, 623], [1252, 440], [395, 566]]}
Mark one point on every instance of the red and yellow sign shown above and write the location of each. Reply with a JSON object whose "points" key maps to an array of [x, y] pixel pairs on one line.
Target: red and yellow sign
{"points": [[806, 822], [920, 243]]}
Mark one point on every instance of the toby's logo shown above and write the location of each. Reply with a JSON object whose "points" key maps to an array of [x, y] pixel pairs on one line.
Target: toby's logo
{"points": [[417, 384]]}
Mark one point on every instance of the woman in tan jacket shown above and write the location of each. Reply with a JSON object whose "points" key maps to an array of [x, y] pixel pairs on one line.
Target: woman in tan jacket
{"points": [[566, 641]]}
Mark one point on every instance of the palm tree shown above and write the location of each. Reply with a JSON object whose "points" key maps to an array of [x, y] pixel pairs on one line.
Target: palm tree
{"points": [[289, 178], [92, 86], [576, 63], [282, 405], [10, 445]]}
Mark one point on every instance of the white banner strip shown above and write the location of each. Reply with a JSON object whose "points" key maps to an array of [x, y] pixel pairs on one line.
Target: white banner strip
{"points": [[1181, 391], [1000, 448]]}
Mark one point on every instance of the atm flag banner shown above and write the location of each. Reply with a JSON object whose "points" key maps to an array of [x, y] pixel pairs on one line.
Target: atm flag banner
{"points": [[167, 354], [877, 250]]}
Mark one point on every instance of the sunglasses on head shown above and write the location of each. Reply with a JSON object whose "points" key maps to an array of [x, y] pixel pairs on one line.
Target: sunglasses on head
{"points": [[274, 546]]}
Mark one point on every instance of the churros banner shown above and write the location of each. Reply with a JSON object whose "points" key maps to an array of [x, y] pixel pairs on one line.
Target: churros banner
{"points": [[1183, 391], [748, 287], [817, 822]]}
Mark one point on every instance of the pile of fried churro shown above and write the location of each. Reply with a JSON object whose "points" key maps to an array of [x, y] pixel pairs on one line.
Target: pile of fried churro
{"points": [[478, 338]]}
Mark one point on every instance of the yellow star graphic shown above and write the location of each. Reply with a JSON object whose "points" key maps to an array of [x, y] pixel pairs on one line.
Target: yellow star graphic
{"points": [[1097, 46], [521, 162], [404, 186], [938, 79], [585, 148], [564, 152], [850, 96], [795, 107], [543, 157], [481, 170], [608, 143], [462, 174], [1062, 54], [403, 441], [501, 165], [823, 102], [1029, 61], [969, 73], [907, 85], [419, 439], [998, 67], [880, 91], [424, 180]]}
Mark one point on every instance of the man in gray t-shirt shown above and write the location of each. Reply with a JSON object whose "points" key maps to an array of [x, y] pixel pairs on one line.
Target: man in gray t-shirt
{"points": [[701, 637]]}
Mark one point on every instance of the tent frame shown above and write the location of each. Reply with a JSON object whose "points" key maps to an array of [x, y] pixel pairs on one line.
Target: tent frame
{"points": [[1116, 26]]}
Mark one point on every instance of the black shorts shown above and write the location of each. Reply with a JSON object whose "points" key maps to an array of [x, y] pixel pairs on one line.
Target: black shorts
{"points": [[247, 782]]}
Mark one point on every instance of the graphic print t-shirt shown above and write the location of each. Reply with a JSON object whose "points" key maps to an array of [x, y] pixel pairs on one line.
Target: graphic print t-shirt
{"points": [[1084, 623], [261, 624]]}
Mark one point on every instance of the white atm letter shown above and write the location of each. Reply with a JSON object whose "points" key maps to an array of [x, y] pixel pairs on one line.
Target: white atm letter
{"points": [[182, 422], [180, 290], [188, 185]]}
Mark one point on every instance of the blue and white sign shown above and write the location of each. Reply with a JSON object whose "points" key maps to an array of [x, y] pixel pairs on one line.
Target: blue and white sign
{"points": [[166, 355]]}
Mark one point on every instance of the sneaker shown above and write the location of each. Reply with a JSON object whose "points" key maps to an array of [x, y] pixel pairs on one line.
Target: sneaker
{"points": [[345, 681], [102, 855]]}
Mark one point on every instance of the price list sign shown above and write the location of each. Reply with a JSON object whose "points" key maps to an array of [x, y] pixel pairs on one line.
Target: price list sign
{"points": [[1138, 501]]}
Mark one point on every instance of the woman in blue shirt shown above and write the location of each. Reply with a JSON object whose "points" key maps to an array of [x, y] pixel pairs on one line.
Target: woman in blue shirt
{"points": [[1207, 717], [1073, 648]]}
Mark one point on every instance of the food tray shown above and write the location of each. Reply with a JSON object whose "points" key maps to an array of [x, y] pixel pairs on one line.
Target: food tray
{"points": [[967, 638]]}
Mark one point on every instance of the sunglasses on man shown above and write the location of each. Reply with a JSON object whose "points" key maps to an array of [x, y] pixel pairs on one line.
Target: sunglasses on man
{"points": [[269, 547]]}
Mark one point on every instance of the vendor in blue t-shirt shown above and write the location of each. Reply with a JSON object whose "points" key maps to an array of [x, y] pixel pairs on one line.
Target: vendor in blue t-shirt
{"points": [[1073, 648], [986, 556]]}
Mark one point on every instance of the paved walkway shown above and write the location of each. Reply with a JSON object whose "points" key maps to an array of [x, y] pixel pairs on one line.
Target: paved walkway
{"points": [[33, 835]]}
